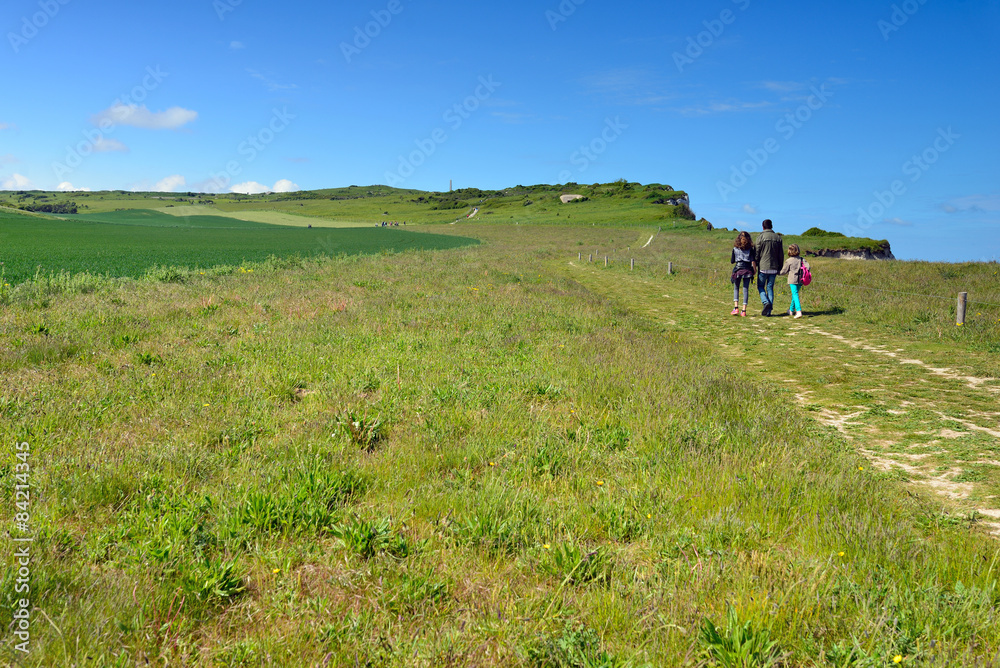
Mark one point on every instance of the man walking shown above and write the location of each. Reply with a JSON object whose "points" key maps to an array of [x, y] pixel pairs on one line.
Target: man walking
{"points": [[770, 257]]}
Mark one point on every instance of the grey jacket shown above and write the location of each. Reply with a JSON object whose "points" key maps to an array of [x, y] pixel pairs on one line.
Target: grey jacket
{"points": [[770, 251], [792, 267]]}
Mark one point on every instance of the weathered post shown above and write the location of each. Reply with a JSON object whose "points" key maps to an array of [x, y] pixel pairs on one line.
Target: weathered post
{"points": [[963, 298], [591, 258], [632, 264], [605, 260], [579, 256], [670, 268]]}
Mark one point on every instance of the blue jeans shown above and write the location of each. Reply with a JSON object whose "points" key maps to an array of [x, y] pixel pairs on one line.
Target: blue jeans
{"points": [[745, 282], [765, 285]]}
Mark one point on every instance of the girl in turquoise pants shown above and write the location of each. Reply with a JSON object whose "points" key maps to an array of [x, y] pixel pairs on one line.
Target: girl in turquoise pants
{"points": [[793, 269]]}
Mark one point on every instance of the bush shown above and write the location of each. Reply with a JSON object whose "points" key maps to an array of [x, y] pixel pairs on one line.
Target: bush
{"points": [[817, 232]]}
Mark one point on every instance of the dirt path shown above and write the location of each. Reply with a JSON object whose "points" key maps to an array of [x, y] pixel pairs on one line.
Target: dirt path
{"points": [[916, 411]]}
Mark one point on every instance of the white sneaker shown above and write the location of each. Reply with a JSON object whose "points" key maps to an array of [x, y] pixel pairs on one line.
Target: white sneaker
{"points": [[798, 314]]}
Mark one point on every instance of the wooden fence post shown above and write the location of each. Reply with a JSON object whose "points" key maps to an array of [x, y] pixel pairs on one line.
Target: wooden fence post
{"points": [[963, 298], [670, 268], [591, 259], [633, 264], [605, 260]]}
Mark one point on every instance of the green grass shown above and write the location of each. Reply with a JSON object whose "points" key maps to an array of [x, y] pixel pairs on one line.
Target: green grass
{"points": [[479, 457], [133, 243]]}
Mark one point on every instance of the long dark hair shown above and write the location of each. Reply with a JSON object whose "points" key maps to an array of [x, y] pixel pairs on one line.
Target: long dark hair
{"points": [[743, 241]]}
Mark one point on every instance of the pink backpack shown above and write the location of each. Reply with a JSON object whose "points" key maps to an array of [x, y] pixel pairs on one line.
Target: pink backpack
{"points": [[805, 274]]}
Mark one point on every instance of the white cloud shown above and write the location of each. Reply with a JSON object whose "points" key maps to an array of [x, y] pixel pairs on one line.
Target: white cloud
{"points": [[752, 210], [236, 46], [17, 182], [250, 188], [105, 145], [141, 117], [68, 187], [897, 221], [254, 188], [4, 126], [286, 186], [7, 159], [169, 184]]}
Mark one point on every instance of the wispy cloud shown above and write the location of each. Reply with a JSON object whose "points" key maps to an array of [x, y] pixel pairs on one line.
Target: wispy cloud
{"points": [[8, 159], [898, 222], [513, 118], [236, 46], [5, 126], [141, 117], [782, 86], [749, 209], [973, 204], [271, 84], [797, 91], [628, 86], [727, 107]]}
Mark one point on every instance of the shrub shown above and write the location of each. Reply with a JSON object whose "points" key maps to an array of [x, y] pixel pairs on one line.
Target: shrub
{"points": [[817, 232]]}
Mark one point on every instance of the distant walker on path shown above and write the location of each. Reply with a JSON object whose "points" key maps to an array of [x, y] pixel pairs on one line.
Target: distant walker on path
{"points": [[770, 256]]}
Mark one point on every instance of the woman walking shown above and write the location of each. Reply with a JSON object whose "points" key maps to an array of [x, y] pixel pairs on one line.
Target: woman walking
{"points": [[793, 268], [744, 261]]}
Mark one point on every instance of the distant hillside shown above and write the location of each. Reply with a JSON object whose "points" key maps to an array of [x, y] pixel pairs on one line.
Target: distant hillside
{"points": [[616, 203], [621, 203]]}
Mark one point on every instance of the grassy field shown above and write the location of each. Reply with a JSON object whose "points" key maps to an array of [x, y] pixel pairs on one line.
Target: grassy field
{"points": [[268, 217], [500, 455], [135, 243]]}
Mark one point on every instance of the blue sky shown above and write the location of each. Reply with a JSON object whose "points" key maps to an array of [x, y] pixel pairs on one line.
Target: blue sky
{"points": [[860, 117]]}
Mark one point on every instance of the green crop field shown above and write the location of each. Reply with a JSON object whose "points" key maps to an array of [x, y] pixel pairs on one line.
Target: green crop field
{"points": [[130, 243]]}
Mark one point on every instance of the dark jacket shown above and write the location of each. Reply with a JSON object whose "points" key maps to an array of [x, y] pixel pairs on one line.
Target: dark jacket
{"points": [[743, 262], [770, 251]]}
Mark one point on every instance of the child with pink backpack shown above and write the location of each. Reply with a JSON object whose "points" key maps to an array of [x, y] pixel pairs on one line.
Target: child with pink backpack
{"points": [[799, 275]]}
